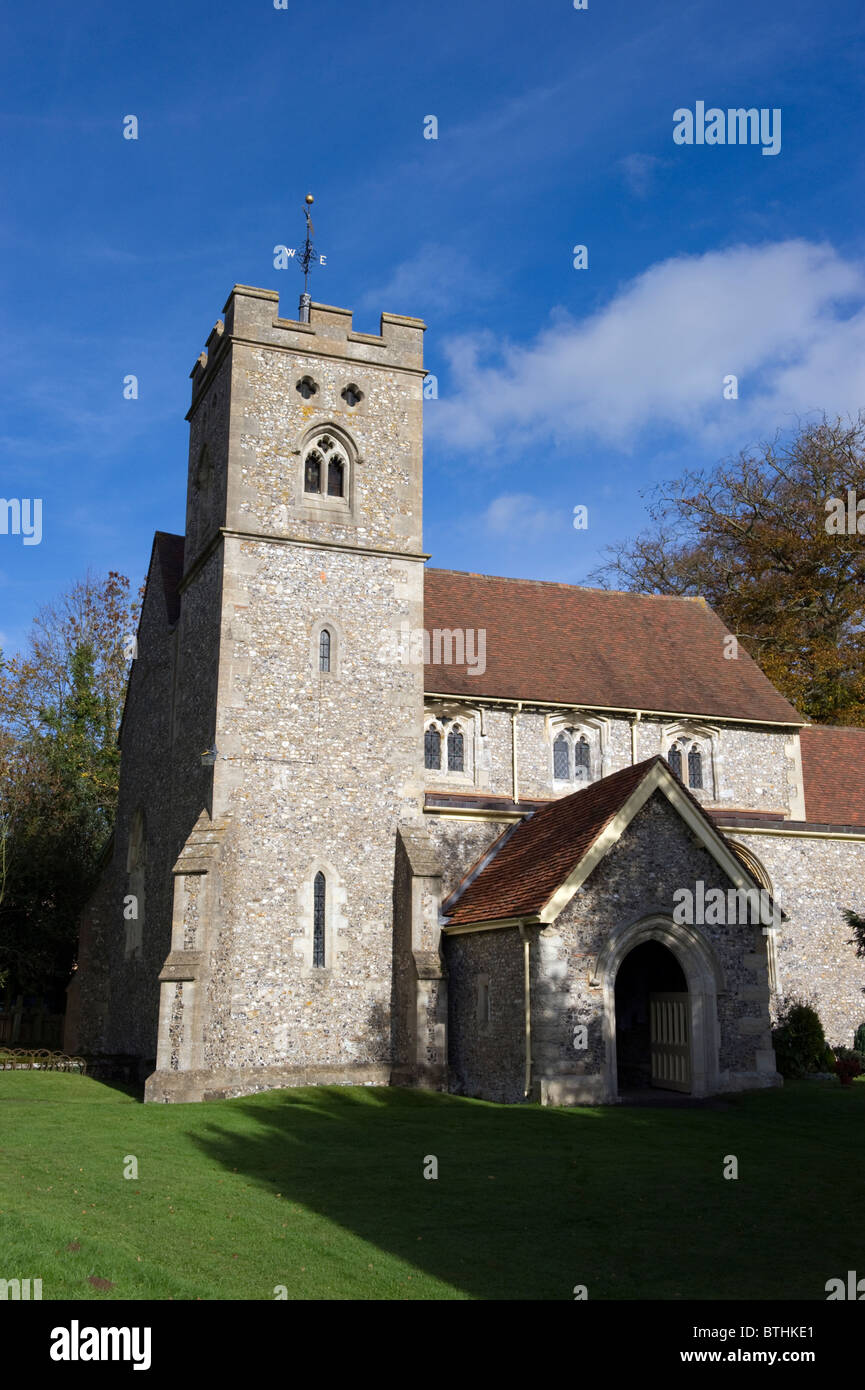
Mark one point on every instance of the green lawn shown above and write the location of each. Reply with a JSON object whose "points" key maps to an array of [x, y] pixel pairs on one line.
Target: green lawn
{"points": [[322, 1191]]}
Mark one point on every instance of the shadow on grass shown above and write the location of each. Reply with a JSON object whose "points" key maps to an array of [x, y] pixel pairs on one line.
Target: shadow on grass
{"points": [[357, 1157], [133, 1089], [530, 1202]]}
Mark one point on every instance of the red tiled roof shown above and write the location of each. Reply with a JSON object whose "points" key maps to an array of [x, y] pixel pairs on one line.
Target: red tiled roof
{"points": [[833, 768], [538, 854], [558, 644]]}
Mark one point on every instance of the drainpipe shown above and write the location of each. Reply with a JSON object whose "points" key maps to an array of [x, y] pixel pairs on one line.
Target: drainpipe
{"points": [[638, 714], [514, 750], [527, 996]]}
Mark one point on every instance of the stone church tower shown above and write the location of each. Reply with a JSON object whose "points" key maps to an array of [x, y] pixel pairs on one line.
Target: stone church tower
{"points": [[290, 754]]}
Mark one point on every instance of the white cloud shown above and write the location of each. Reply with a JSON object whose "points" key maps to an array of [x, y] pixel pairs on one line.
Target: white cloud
{"points": [[518, 514], [786, 318]]}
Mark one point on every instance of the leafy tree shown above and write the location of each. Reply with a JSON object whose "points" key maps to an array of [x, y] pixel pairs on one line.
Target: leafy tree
{"points": [[59, 711], [98, 612], [750, 536]]}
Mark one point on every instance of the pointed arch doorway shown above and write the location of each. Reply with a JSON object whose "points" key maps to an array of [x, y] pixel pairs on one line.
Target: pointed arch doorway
{"points": [[703, 982], [653, 1035]]}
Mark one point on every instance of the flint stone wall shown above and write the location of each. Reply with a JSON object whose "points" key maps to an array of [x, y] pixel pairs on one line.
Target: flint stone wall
{"points": [[750, 768], [815, 880]]}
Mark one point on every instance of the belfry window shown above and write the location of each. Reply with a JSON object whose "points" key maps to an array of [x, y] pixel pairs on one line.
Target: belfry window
{"points": [[318, 909], [325, 469]]}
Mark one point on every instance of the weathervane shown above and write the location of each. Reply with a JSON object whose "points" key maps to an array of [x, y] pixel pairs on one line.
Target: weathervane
{"points": [[305, 260]]}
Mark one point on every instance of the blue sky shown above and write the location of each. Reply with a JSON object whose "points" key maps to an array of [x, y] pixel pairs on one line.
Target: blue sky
{"points": [[557, 386]]}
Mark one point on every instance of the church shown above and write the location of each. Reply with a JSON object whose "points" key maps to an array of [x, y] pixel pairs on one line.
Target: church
{"points": [[570, 846]]}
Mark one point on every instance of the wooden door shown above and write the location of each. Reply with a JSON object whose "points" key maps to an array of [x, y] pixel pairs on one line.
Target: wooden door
{"points": [[670, 1032]]}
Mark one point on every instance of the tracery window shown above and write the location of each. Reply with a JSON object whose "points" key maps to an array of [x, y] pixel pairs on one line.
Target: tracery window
{"points": [[448, 744], [572, 757], [325, 468]]}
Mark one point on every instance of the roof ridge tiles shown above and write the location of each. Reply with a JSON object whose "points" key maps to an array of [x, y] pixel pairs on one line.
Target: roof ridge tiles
{"points": [[563, 584]]}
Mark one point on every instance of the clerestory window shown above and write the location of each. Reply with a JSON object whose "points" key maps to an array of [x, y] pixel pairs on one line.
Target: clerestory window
{"points": [[572, 757], [685, 757]]}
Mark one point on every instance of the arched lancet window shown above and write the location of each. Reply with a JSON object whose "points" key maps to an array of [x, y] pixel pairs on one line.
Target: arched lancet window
{"points": [[561, 761], [335, 477], [324, 650], [674, 758], [318, 906], [582, 761], [695, 767], [455, 749], [312, 473], [432, 748]]}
